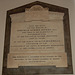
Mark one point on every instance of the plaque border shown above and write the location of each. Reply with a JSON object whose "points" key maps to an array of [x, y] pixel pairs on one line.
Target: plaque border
{"points": [[33, 70]]}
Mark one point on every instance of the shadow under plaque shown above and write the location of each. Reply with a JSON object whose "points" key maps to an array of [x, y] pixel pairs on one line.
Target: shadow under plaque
{"points": [[37, 40]]}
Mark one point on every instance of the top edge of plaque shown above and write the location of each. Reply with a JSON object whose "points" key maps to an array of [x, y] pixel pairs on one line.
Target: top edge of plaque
{"points": [[37, 8]]}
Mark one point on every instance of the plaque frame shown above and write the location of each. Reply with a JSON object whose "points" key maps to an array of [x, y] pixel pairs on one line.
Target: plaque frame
{"points": [[26, 70]]}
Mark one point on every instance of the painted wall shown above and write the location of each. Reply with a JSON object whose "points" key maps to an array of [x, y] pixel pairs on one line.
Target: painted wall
{"points": [[10, 4]]}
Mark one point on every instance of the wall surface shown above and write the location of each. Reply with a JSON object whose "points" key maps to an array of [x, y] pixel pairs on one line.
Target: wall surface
{"points": [[10, 4]]}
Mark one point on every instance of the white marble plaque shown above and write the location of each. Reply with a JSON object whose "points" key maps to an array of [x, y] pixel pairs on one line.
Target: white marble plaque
{"points": [[37, 39]]}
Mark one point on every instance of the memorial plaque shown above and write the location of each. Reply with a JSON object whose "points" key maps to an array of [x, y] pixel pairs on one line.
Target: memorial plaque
{"points": [[37, 40]]}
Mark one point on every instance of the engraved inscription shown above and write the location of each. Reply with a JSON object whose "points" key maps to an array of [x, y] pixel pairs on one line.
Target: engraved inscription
{"points": [[37, 36]]}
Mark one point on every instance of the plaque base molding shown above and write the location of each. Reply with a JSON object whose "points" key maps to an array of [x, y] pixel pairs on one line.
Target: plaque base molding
{"points": [[37, 59]]}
